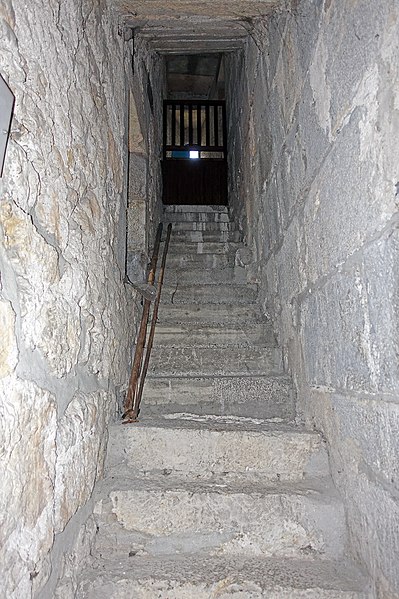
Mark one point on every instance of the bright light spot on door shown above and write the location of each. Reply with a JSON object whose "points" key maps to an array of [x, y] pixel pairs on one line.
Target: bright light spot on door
{"points": [[194, 154]]}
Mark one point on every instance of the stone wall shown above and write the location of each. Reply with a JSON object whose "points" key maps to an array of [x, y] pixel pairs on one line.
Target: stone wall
{"points": [[64, 320], [314, 124], [147, 90]]}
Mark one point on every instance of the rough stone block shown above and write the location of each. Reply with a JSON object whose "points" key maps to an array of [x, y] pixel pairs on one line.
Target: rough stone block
{"points": [[200, 446], [342, 212], [173, 516], [81, 442], [336, 338], [8, 345], [381, 273], [27, 463]]}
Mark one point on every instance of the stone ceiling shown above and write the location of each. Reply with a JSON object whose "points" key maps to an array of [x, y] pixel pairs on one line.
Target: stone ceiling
{"points": [[192, 26]]}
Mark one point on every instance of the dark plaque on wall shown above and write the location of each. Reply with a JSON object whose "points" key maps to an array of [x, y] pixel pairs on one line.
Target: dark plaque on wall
{"points": [[6, 109]]}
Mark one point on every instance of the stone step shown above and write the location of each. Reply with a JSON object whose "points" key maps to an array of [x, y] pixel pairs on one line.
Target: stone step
{"points": [[167, 516], [203, 236], [184, 208], [252, 396], [212, 361], [209, 294], [202, 314], [191, 248], [187, 335], [205, 446], [202, 261], [215, 276], [219, 226], [233, 577], [201, 217]]}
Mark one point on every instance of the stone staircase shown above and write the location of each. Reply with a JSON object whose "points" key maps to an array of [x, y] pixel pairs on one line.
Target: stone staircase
{"points": [[216, 492]]}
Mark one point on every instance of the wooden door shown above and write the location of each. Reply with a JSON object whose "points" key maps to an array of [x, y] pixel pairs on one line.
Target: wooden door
{"points": [[194, 165]]}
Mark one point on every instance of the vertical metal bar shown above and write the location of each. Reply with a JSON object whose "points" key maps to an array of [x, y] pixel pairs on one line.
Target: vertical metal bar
{"points": [[190, 125], [138, 355], [216, 124], [136, 407], [165, 128], [199, 136], [182, 125], [174, 124], [224, 128], [207, 126]]}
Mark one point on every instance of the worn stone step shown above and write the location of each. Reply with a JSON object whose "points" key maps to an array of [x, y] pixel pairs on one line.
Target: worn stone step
{"points": [[209, 294], [204, 446], [194, 225], [169, 515], [233, 577], [203, 236], [203, 261], [189, 334], [192, 361], [204, 314], [213, 276], [253, 396], [197, 216], [191, 248], [184, 208]]}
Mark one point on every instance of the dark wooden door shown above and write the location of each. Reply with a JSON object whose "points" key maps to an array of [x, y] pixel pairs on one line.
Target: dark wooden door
{"points": [[194, 165]]}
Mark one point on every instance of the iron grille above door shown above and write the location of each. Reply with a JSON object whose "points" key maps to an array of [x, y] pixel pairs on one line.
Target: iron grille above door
{"points": [[194, 124]]}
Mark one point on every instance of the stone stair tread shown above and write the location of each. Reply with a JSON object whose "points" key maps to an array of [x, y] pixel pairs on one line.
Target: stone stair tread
{"points": [[181, 327], [208, 293], [202, 576], [123, 479], [213, 276], [246, 376], [195, 261], [242, 515], [188, 248], [213, 340], [199, 446], [177, 208], [205, 235], [214, 360], [262, 396], [214, 423], [203, 216], [181, 334], [278, 413], [203, 225], [218, 314]]}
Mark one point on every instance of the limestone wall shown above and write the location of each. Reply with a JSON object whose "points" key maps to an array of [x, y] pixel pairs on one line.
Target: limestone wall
{"points": [[314, 127], [147, 84], [64, 323]]}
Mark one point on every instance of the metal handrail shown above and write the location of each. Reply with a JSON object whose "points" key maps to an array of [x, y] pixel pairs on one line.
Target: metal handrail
{"points": [[139, 370]]}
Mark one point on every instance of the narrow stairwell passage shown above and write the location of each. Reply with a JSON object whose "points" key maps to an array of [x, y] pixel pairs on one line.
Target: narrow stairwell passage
{"points": [[217, 491]]}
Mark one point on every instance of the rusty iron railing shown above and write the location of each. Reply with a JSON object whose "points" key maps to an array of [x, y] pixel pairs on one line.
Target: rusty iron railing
{"points": [[139, 369]]}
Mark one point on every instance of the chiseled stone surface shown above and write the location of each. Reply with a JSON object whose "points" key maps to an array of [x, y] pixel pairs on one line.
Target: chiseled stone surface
{"points": [[81, 441], [65, 326], [199, 446], [8, 345], [317, 199], [75, 559], [245, 517], [28, 426], [239, 578]]}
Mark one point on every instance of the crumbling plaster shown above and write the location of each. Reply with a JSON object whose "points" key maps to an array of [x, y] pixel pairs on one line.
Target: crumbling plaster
{"points": [[314, 122], [66, 329]]}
